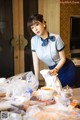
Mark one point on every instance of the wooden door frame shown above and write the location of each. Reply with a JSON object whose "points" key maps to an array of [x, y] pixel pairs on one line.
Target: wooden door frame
{"points": [[18, 31]]}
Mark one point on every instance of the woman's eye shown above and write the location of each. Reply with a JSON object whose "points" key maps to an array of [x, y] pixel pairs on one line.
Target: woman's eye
{"points": [[37, 24], [32, 27]]}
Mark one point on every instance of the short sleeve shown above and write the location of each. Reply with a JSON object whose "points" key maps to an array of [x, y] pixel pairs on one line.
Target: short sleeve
{"points": [[33, 45], [59, 44]]}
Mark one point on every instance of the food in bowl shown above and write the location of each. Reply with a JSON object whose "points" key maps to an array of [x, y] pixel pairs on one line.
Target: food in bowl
{"points": [[54, 92], [46, 88]]}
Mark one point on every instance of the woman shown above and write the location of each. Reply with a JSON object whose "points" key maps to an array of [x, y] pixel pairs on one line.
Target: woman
{"points": [[49, 48]]}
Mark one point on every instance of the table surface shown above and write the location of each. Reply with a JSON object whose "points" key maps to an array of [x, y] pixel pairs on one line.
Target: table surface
{"points": [[76, 93]]}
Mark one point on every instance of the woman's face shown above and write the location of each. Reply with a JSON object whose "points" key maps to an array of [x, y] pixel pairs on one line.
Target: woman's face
{"points": [[38, 28]]}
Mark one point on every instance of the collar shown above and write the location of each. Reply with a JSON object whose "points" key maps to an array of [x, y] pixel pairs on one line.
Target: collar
{"points": [[45, 41]]}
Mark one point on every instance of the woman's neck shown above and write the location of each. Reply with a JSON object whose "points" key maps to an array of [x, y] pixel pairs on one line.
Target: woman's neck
{"points": [[45, 35]]}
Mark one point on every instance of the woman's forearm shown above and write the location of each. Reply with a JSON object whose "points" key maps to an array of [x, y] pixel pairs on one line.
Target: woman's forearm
{"points": [[60, 64], [36, 70], [36, 65]]}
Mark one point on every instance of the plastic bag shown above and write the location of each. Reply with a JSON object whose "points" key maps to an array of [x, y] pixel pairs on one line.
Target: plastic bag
{"points": [[32, 82], [31, 111], [51, 81], [23, 83], [67, 92], [17, 87], [14, 116]]}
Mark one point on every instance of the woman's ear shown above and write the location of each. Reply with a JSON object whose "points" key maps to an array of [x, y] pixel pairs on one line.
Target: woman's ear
{"points": [[44, 25]]}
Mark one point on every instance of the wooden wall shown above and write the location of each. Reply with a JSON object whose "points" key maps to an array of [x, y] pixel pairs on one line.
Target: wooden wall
{"points": [[67, 8]]}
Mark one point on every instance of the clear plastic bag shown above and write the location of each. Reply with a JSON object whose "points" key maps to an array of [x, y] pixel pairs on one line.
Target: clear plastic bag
{"points": [[67, 92], [31, 111], [17, 87], [14, 116], [32, 82], [23, 83], [51, 81]]}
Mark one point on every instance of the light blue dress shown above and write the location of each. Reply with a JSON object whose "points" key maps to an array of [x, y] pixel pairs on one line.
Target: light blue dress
{"points": [[49, 54]]}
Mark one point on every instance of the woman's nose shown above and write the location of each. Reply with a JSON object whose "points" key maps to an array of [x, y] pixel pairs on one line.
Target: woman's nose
{"points": [[35, 28]]}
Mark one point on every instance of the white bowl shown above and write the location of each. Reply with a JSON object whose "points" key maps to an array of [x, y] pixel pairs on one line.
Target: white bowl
{"points": [[47, 90], [45, 93]]}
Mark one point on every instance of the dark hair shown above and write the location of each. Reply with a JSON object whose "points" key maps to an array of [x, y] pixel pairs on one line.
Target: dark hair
{"points": [[32, 19]]}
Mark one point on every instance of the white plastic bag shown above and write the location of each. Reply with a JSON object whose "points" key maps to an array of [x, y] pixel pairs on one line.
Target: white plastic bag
{"points": [[23, 83], [51, 81], [32, 82], [17, 87]]}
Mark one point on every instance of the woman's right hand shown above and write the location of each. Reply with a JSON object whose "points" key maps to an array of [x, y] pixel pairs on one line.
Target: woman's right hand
{"points": [[53, 72]]}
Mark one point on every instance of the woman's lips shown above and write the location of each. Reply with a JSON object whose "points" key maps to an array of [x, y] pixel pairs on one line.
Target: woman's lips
{"points": [[38, 32]]}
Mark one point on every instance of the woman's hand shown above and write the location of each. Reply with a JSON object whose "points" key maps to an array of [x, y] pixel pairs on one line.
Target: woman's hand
{"points": [[53, 72]]}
